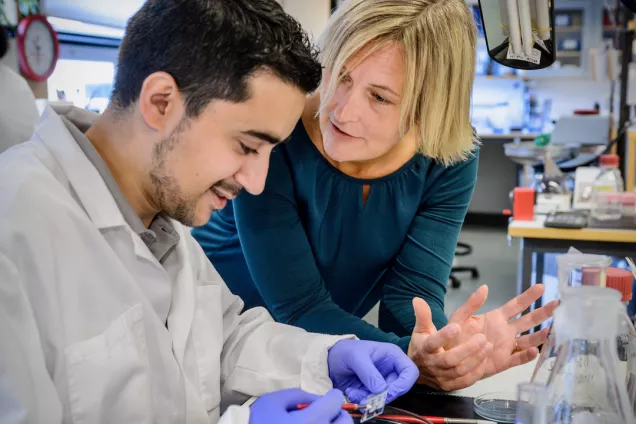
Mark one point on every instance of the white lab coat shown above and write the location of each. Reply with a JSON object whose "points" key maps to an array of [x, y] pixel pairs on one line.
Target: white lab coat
{"points": [[18, 112], [81, 343]]}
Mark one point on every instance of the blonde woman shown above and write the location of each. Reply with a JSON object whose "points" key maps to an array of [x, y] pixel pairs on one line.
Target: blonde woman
{"points": [[366, 201]]}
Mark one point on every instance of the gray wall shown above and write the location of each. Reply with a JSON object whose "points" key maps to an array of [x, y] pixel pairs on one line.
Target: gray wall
{"points": [[496, 178]]}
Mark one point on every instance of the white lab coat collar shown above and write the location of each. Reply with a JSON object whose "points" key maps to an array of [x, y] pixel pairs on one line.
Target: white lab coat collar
{"points": [[96, 199], [103, 211], [86, 181]]}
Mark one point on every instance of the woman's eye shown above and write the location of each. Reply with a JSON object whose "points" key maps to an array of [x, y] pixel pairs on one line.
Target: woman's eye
{"points": [[248, 150], [380, 99]]}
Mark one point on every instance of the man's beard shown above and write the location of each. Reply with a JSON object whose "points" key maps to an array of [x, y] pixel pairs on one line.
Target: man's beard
{"points": [[167, 192]]}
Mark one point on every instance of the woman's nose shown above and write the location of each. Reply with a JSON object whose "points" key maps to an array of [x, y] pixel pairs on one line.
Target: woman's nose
{"points": [[345, 110]]}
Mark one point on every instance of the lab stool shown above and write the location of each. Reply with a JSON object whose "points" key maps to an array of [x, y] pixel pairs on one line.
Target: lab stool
{"points": [[463, 249]]}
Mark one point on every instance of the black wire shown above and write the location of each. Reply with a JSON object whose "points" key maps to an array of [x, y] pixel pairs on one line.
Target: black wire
{"points": [[619, 135], [397, 411], [405, 412], [384, 420]]}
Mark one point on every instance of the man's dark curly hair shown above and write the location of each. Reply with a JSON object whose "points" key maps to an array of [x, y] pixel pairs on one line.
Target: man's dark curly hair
{"points": [[211, 48]]}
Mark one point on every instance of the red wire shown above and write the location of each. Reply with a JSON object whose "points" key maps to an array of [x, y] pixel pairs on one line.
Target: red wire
{"points": [[408, 419], [400, 419], [345, 406]]}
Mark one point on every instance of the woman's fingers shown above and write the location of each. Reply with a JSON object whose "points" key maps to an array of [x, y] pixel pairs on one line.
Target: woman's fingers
{"points": [[522, 302], [466, 380], [523, 357], [456, 362], [533, 340], [455, 356], [474, 361], [467, 365], [471, 306], [534, 318], [444, 380], [423, 317], [456, 368], [436, 341]]}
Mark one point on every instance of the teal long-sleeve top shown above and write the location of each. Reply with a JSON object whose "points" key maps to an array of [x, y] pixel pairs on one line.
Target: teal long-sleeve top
{"points": [[318, 257]]}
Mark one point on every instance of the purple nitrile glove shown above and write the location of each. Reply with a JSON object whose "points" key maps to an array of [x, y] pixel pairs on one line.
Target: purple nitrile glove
{"points": [[281, 408], [361, 368]]}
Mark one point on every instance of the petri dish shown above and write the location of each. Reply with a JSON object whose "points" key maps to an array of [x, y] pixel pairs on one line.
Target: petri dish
{"points": [[497, 406]]}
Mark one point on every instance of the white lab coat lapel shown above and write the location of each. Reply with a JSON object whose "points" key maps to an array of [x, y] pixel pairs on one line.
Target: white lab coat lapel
{"points": [[183, 303], [86, 181], [91, 189], [100, 206]]}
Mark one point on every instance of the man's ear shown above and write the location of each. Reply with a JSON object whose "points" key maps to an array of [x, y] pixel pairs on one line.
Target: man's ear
{"points": [[160, 102]]}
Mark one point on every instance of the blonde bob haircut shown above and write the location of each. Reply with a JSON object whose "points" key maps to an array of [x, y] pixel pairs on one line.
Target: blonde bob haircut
{"points": [[439, 40]]}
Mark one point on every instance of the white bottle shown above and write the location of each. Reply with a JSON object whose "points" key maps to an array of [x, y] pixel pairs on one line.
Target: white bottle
{"points": [[606, 198]]}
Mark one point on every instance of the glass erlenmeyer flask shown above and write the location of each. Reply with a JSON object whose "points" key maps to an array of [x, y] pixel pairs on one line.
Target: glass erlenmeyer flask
{"points": [[627, 336], [585, 385], [575, 270], [622, 280], [531, 404]]}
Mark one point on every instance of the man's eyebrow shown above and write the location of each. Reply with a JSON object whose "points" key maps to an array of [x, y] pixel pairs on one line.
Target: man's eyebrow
{"points": [[263, 136]]}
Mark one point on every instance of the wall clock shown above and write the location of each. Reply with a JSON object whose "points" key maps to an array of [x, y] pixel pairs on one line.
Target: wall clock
{"points": [[38, 47]]}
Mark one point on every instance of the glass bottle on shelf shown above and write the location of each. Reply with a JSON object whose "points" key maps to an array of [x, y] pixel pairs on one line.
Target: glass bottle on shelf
{"points": [[607, 204]]}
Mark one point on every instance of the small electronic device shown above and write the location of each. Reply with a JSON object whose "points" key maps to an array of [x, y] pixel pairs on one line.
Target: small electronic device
{"points": [[374, 407], [567, 219]]}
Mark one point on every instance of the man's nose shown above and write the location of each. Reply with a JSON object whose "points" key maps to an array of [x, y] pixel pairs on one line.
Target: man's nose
{"points": [[254, 174]]}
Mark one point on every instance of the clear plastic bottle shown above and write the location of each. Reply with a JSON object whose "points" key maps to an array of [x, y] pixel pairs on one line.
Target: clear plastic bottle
{"points": [[607, 203], [575, 270], [621, 280], [585, 386], [627, 333]]}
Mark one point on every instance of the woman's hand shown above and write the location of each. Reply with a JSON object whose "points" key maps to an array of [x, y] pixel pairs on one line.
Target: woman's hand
{"points": [[453, 368], [501, 328]]}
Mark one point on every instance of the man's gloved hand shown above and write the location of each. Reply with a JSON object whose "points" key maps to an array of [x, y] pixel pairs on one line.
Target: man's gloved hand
{"points": [[280, 408], [360, 368]]}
